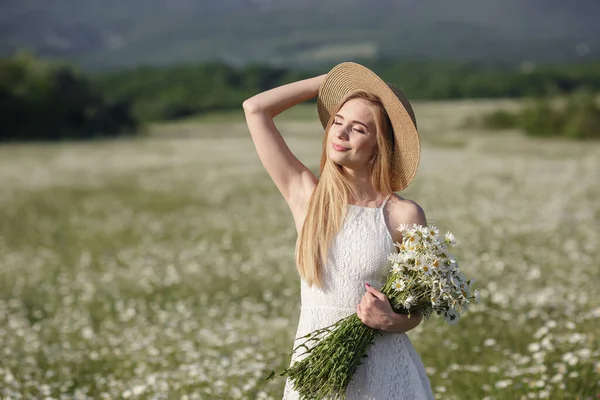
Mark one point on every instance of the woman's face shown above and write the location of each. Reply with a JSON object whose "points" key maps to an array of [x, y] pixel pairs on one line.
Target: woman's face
{"points": [[352, 137]]}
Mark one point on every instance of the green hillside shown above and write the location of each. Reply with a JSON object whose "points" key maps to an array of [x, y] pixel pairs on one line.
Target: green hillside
{"points": [[108, 34]]}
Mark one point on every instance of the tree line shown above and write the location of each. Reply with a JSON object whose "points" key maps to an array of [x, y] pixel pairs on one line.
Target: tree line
{"points": [[170, 93], [40, 100], [47, 101]]}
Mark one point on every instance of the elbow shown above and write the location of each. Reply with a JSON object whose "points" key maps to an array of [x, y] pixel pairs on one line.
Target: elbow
{"points": [[251, 106]]}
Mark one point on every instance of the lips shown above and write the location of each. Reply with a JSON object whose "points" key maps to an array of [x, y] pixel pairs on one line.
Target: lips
{"points": [[338, 147]]}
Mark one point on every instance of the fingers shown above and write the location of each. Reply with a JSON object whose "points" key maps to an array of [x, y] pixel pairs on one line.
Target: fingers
{"points": [[374, 292], [369, 298]]}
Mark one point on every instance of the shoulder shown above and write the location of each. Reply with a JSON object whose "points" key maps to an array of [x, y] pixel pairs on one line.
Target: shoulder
{"points": [[404, 211]]}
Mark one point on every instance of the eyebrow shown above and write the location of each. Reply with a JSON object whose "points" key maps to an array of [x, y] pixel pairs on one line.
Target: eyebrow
{"points": [[353, 121]]}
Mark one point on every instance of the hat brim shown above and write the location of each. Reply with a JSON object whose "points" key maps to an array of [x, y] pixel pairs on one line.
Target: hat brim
{"points": [[349, 77]]}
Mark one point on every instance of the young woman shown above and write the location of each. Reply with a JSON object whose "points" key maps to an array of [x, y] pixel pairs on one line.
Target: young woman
{"points": [[346, 218]]}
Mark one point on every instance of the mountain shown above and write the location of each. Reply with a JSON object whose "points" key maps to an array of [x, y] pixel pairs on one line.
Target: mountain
{"points": [[100, 34]]}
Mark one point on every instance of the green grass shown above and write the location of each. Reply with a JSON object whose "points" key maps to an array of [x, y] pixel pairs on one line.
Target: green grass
{"points": [[163, 267]]}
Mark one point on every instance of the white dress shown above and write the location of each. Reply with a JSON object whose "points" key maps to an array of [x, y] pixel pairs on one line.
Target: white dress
{"points": [[358, 254]]}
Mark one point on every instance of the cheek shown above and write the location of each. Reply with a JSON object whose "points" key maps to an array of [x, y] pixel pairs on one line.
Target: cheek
{"points": [[367, 147], [330, 135]]}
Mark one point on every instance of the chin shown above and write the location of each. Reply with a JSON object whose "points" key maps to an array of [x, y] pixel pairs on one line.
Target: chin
{"points": [[338, 160]]}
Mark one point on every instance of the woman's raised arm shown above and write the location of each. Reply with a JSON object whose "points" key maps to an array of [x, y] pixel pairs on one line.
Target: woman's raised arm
{"points": [[293, 179]]}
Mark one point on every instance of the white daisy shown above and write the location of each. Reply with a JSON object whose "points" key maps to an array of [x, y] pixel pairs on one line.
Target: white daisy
{"points": [[419, 262], [402, 247], [432, 231], [413, 240], [398, 285], [423, 230], [426, 269], [396, 257], [404, 228], [408, 302], [451, 239]]}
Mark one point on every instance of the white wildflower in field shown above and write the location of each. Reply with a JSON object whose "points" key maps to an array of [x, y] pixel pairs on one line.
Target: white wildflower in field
{"points": [[534, 347], [166, 263], [502, 384]]}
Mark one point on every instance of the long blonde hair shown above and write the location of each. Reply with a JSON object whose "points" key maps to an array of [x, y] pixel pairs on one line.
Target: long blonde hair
{"points": [[327, 204]]}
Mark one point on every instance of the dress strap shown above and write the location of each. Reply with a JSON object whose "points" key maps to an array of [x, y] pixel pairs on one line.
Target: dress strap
{"points": [[383, 218], [384, 202]]}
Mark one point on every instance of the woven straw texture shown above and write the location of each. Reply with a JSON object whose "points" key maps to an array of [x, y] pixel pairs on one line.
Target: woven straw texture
{"points": [[349, 77]]}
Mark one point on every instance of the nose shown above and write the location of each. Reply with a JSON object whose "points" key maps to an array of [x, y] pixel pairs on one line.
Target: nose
{"points": [[340, 132]]}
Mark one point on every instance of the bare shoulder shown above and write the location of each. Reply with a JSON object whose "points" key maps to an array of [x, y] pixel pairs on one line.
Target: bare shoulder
{"points": [[401, 210]]}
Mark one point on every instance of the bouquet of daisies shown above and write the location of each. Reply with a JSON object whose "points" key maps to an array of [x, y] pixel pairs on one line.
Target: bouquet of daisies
{"points": [[424, 277]]}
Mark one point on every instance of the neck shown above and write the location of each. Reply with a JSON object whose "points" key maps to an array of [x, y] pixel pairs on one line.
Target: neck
{"points": [[361, 180]]}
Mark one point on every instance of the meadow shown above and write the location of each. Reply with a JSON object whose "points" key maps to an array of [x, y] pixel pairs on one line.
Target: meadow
{"points": [[162, 267]]}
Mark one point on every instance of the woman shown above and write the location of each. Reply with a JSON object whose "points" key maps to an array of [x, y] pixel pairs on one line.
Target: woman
{"points": [[346, 219]]}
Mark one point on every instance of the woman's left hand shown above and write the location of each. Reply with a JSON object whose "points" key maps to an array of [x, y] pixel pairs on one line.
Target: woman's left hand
{"points": [[375, 310]]}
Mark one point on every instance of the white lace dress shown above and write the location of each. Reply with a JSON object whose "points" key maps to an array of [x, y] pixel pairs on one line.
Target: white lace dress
{"points": [[392, 368]]}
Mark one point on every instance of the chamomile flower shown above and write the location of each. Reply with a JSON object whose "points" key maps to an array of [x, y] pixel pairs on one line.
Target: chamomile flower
{"points": [[401, 246], [419, 262], [396, 257], [431, 231], [405, 228], [426, 268], [450, 238], [398, 285], [423, 231], [412, 239], [409, 301]]}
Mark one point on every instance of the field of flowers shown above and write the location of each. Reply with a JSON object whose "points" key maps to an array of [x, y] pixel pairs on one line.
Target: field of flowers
{"points": [[162, 267]]}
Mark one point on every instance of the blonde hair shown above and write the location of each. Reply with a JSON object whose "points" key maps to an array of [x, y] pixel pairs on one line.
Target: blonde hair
{"points": [[327, 204]]}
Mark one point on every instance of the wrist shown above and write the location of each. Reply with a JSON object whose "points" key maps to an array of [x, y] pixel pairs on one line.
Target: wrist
{"points": [[395, 323], [318, 81], [402, 323]]}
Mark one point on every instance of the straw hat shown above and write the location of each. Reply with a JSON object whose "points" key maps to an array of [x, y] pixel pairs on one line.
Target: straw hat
{"points": [[348, 77]]}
